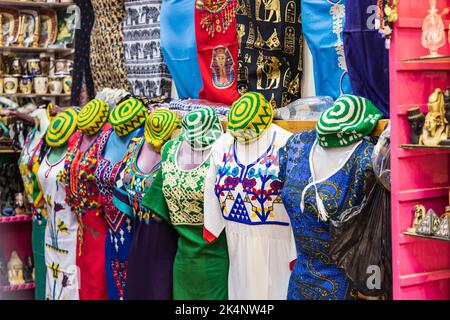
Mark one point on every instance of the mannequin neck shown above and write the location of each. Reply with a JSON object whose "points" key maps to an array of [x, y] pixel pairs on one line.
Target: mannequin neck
{"points": [[248, 152], [326, 161], [188, 158], [86, 141], [147, 158], [57, 153]]}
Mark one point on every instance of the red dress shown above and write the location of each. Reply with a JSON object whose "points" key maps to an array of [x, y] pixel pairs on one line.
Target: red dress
{"points": [[83, 197], [217, 49]]}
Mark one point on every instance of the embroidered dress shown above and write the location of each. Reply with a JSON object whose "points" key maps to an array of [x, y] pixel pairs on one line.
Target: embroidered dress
{"points": [[366, 55], [323, 23], [217, 49], [147, 72], [270, 49], [120, 231], [60, 235], [200, 269], [178, 22], [29, 166], [315, 276], [259, 235], [83, 198], [150, 260]]}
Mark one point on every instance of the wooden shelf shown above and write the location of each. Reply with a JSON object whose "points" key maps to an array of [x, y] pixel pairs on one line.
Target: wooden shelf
{"points": [[305, 125], [16, 219], [18, 287], [411, 234], [33, 95], [15, 49], [9, 151], [35, 4]]}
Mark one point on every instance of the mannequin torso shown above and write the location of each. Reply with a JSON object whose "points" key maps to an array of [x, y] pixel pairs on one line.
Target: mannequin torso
{"points": [[147, 158], [188, 158]]}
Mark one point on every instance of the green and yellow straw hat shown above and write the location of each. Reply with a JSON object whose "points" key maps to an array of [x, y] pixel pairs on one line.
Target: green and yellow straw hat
{"points": [[249, 117], [159, 126], [128, 116], [348, 121], [201, 128], [61, 128], [93, 116]]}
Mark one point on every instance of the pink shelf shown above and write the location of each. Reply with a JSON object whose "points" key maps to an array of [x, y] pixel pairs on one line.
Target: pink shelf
{"points": [[15, 219], [19, 287], [423, 65]]}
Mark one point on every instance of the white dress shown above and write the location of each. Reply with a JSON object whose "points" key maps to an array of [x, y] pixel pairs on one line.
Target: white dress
{"points": [[242, 196], [60, 235]]}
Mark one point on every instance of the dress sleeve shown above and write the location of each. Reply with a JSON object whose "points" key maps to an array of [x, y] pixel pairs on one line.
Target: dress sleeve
{"points": [[120, 194], [154, 198], [213, 219]]}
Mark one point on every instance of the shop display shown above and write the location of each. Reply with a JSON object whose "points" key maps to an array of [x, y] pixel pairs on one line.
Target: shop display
{"points": [[62, 225], [78, 176], [242, 198], [200, 269], [178, 22], [270, 41], [15, 270], [323, 24], [147, 72], [153, 247], [433, 31], [366, 55], [107, 56], [10, 25], [217, 49], [429, 224], [435, 128]]}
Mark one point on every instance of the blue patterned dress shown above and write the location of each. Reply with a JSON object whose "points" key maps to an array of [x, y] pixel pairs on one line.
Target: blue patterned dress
{"points": [[315, 276]]}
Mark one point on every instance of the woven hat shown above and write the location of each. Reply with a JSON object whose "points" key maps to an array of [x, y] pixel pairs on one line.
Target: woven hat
{"points": [[201, 128], [249, 117], [93, 116], [349, 120], [159, 126], [61, 128], [127, 116]]}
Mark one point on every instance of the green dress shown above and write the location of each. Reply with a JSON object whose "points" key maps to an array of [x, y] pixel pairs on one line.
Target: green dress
{"points": [[200, 269]]}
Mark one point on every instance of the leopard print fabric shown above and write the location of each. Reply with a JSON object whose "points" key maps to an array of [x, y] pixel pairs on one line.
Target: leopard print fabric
{"points": [[107, 53]]}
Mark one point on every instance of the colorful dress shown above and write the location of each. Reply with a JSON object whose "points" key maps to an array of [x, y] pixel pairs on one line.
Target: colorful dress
{"points": [[177, 22], [323, 24], [217, 49], [150, 260], [200, 269], [270, 49], [120, 231], [315, 276], [29, 166], [60, 235], [249, 207], [107, 52], [83, 198], [147, 72]]}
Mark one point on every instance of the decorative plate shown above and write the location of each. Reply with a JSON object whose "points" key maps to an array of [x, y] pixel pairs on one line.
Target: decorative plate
{"points": [[29, 26], [48, 27], [10, 25]]}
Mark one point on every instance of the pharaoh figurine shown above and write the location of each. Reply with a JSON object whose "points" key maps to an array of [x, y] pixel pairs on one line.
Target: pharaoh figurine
{"points": [[447, 110], [15, 269], [419, 214], [434, 131], [416, 121]]}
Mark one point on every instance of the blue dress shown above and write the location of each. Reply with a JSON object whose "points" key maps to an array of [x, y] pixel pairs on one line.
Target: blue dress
{"points": [[323, 23], [177, 22], [315, 276]]}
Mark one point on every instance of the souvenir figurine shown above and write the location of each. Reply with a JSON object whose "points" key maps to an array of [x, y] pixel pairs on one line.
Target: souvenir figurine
{"points": [[416, 121], [20, 204], [419, 215], [429, 225], [15, 269], [433, 31], [435, 130], [28, 270]]}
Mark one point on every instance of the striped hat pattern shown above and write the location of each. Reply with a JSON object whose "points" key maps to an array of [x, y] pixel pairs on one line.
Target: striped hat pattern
{"points": [[128, 116], [159, 126], [201, 128], [249, 117], [348, 121], [93, 116], [61, 128]]}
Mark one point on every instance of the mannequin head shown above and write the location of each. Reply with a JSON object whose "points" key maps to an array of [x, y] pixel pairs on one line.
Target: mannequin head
{"points": [[249, 117], [127, 116], [201, 128], [92, 117], [159, 126]]}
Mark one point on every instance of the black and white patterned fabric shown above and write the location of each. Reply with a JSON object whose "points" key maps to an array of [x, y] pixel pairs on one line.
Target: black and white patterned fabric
{"points": [[147, 72]]}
